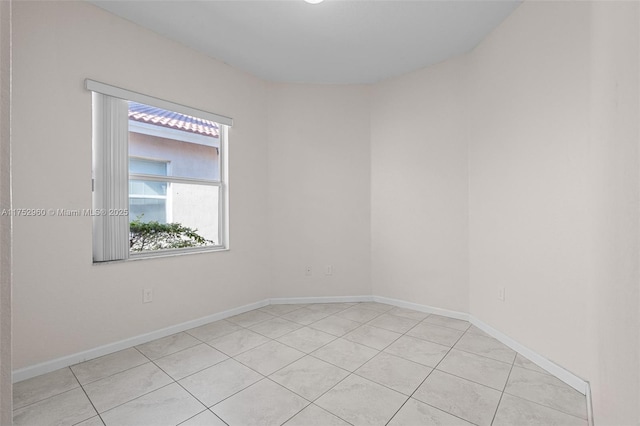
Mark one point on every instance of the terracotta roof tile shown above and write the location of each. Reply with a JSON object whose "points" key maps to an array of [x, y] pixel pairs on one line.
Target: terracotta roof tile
{"points": [[161, 117]]}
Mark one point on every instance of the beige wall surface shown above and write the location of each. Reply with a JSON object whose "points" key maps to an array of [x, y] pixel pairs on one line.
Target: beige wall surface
{"points": [[5, 221], [614, 136], [554, 188], [59, 295], [529, 219], [419, 187], [319, 178]]}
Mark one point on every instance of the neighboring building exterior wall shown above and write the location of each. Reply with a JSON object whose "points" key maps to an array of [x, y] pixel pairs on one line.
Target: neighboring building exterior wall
{"points": [[195, 206]]}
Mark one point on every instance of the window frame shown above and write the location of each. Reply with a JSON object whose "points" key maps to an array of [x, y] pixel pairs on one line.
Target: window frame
{"points": [[222, 184]]}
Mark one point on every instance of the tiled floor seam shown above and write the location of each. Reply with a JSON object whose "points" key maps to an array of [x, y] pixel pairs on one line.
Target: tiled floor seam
{"points": [[503, 389], [422, 382], [546, 406], [87, 395]]}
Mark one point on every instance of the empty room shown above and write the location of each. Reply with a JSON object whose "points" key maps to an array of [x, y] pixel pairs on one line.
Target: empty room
{"points": [[311, 212]]}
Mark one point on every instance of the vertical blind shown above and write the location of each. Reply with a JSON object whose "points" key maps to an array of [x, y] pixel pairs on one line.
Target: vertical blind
{"points": [[110, 178]]}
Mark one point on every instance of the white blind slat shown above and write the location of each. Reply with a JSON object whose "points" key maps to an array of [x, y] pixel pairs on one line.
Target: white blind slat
{"points": [[111, 177]]}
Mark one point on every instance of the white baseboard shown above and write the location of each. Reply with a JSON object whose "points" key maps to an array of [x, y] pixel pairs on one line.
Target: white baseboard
{"points": [[422, 308], [324, 299], [561, 373], [66, 361], [554, 369]]}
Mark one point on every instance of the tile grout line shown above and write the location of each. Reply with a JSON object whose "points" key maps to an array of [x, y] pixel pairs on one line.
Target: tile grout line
{"points": [[434, 369], [88, 398]]}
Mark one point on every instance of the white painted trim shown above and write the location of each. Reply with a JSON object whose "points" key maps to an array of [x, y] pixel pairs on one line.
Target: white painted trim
{"points": [[422, 308], [129, 95], [66, 361], [326, 299], [589, 405], [554, 369]]}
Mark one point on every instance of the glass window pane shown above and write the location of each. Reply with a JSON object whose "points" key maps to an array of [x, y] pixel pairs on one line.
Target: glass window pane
{"points": [[147, 167], [192, 216], [190, 145], [147, 187], [148, 209]]}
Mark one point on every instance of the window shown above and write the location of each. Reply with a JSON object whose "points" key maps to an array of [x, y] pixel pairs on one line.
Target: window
{"points": [[159, 176]]}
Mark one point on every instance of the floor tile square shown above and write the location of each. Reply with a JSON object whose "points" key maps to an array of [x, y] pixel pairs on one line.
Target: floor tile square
{"points": [[415, 413], [393, 323], [315, 416], [362, 402], [188, 361], [41, 387], [66, 408], [380, 307], [517, 411], [275, 328], [448, 322], [335, 325], [306, 339], [264, 403], [418, 350], [105, 366], [486, 346], [374, 337], [394, 372], [309, 377], [435, 333], [213, 330], [112, 391], [167, 345], [206, 418], [476, 368], [305, 316], [345, 354], [166, 406], [216, 383], [250, 318], [329, 308], [408, 313], [546, 390], [270, 357], [93, 421], [238, 342], [282, 309], [523, 362], [462, 398], [359, 314]]}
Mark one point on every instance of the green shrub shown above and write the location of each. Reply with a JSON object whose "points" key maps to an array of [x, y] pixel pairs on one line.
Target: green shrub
{"points": [[157, 236]]}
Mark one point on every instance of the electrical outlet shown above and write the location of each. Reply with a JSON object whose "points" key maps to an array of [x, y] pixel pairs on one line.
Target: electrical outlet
{"points": [[328, 270], [147, 295], [501, 293], [308, 271]]}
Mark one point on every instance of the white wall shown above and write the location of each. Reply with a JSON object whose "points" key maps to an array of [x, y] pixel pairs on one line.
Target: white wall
{"points": [[554, 187], [529, 196], [319, 178], [614, 136], [5, 221], [419, 187], [59, 296]]}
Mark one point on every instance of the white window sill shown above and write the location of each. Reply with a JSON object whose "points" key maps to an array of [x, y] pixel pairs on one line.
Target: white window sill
{"points": [[158, 254]]}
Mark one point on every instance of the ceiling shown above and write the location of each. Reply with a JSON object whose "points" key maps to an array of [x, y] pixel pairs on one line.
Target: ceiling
{"points": [[337, 41]]}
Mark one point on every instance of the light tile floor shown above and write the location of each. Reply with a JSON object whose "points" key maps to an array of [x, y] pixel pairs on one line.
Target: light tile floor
{"points": [[320, 364]]}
